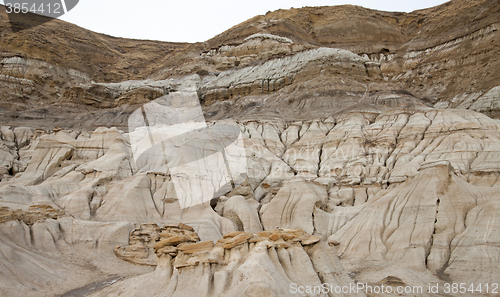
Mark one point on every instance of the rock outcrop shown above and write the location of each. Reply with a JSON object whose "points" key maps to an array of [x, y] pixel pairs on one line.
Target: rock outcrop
{"points": [[413, 225], [407, 191], [353, 58], [268, 263], [331, 145], [40, 247]]}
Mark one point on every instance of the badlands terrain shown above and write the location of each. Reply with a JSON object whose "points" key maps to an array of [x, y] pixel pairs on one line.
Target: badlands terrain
{"points": [[321, 145]]}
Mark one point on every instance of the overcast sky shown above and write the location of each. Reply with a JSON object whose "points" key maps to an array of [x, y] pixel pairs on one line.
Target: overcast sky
{"points": [[195, 20]]}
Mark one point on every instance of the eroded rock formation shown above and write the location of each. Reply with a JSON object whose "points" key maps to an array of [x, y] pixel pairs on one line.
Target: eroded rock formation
{"points": [[334, 145], [239, 264], [405, 191]]}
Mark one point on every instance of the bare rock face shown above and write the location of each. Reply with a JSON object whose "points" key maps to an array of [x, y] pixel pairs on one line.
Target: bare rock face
{"points": [[148, 240], [469, 247], [46, 246], [277, 73], [394, 194], [418, 235], [242, 213], [239, 264], [32, 215], [292, 206], [303, 64], [353, 147]]}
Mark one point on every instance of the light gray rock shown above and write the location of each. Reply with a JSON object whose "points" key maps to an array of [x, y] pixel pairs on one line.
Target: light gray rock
{"points": [[242, 214]]}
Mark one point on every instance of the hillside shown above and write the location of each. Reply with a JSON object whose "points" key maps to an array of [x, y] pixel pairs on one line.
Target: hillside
{"points": [[336, 145], [430, 55]]}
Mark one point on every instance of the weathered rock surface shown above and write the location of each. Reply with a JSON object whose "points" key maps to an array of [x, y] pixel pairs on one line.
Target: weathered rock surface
{"points": [[40, 248], [406, 191], [277, 73], [414, 224], [266, 67], [240, 264], [334, 145], [148, 240]]}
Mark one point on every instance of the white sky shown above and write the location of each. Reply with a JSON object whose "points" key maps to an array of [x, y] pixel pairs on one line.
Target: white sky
{"points": [[196, 20]]}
